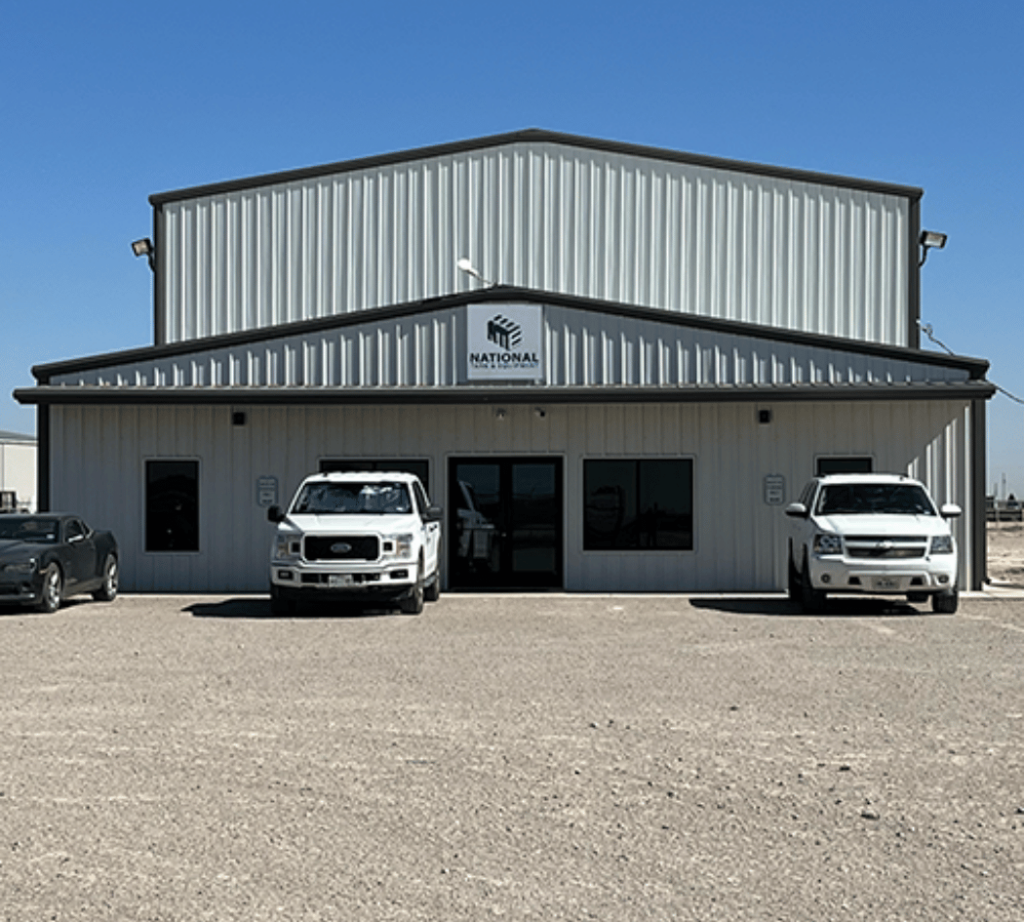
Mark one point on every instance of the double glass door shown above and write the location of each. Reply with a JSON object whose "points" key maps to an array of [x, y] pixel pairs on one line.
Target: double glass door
{"points": [[505, 523]]}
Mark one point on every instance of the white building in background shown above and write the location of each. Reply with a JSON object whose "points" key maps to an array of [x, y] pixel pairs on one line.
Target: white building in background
{"points": [[654, 354], [17, 471]]}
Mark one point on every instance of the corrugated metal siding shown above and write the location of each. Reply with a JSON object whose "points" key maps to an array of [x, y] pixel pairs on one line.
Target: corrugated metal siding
{"points": [[582, 349], [674, 236], [99, 455]]}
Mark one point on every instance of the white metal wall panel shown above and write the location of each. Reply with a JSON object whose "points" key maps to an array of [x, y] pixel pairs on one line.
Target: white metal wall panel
{"points": [[680, 237], [99, 457], [583, 349]]}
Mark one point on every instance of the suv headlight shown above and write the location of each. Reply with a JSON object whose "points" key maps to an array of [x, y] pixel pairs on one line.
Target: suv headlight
{"points": [[828, 544], [942, 544]]}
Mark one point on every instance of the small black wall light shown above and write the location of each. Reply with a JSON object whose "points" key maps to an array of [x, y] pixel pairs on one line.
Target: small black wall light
{"points": [[144, 247], [238, 418], [764, 417], [929, 239]]}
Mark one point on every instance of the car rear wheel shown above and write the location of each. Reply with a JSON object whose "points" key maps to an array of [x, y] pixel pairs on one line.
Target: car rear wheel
{"points": [[108, 588], [945, 603], [50, 596]]}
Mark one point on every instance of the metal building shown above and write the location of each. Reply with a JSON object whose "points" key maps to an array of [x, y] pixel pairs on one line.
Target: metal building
{"points": [[653, 353]]}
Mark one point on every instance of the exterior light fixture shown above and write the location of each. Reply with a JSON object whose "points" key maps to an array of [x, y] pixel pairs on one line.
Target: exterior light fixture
{"points": [[144, 247], [466, 265], [929, 239]]}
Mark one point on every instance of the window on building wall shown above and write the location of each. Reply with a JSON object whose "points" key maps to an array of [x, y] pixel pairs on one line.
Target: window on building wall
{"points": [[418, 466], [172, 505], [848, 465], [638, 504]]}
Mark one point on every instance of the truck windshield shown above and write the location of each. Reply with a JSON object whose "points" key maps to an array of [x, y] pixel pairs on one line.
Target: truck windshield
{"points": [[353, 498], [874, 499]]}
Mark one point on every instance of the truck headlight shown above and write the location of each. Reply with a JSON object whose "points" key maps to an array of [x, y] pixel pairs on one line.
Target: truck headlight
{"points": [[403, 545], [828, 544], [942, 544], [287, 547], [25, 566]]}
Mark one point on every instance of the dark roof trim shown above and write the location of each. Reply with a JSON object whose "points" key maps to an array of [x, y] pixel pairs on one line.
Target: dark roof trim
{"points": [[977, 368], [338, 396], [534, 136]]}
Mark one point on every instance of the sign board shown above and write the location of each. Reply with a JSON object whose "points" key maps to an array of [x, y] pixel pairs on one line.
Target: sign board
{"points": [[266, 491], [774, 489], [504, 342]]}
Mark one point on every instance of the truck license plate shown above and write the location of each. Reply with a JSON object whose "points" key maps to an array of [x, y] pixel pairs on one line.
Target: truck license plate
{"points": [[886, 582], [334, 580]]}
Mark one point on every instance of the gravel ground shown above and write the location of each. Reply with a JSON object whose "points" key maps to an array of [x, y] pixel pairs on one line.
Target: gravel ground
{"points": [[539, 757]]}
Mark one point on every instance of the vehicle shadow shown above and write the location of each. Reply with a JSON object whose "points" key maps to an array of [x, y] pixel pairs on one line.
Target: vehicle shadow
{"points": [[259, 607], [773, 606]]}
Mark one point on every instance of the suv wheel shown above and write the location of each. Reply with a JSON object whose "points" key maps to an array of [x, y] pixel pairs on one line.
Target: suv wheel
{"points": [[945, 603], [793, 589], [812, 600]]}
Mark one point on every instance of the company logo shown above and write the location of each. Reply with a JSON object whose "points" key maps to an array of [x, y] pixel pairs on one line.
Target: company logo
{"points": [[340, 547], [503, 332]]}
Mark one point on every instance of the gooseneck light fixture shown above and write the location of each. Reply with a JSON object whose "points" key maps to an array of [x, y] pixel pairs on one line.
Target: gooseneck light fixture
{"points": [[466, 265]]}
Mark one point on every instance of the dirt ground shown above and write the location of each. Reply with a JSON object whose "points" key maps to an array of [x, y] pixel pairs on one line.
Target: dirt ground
{"points": [[1006, 554], [534, 757]]}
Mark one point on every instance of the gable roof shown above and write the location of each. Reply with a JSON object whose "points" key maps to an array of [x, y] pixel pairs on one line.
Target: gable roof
{"points": [[535, 136]]}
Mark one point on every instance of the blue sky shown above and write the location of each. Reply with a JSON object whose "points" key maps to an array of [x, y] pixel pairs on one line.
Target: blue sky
{"points": [[103, 104]]}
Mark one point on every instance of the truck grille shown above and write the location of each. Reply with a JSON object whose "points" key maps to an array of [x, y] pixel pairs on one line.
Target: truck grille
{"points": [[342, 547]]}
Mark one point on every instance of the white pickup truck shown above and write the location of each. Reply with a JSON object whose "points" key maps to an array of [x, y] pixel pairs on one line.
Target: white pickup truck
{"points": [[367, 537]]}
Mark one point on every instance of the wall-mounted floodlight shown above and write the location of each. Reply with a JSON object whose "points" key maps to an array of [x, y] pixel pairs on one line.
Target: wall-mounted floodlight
{"points": [[144, 247], [929, 239], [466, 266]]}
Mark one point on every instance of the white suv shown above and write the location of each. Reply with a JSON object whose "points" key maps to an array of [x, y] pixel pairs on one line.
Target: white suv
{"points": [[876, 534], [368, 536]]}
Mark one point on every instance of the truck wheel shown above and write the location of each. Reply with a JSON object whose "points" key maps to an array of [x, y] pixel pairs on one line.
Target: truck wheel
{"points": [[278, 605], [432, 591], [412, 604], [945, 603]]}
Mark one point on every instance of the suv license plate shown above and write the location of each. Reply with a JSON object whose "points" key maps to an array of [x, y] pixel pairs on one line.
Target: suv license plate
{"points": [[344, 580], [887, 582]]}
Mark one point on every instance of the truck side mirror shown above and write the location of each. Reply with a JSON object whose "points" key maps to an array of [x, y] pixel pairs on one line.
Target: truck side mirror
{"points": [[274, 514], [950, 511], [433, 514], [796, 511]]}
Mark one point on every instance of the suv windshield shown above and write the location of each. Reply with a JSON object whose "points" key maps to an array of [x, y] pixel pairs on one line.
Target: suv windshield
{"points": [[354, 498], [874, 498]]}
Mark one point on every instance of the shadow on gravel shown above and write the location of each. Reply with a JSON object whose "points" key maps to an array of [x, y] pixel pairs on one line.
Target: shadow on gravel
{"points": [[260, 608], [834, 608]]}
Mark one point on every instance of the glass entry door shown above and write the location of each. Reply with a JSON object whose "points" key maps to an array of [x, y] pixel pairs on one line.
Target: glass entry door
{"points": [[505, 523]]}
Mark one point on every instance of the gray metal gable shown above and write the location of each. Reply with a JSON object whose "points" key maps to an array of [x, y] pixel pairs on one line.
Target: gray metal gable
{"points": [[681, 233], [420, 352]]}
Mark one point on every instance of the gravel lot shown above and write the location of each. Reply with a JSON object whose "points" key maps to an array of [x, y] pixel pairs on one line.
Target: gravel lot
{"points": [[539, 757]]}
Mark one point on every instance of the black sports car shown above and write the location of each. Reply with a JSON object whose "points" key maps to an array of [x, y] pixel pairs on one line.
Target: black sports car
{"points": [[47, 557]]}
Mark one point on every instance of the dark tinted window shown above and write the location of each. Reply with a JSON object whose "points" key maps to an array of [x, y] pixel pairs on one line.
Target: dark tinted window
{"points": [[172, 505], [638, 504], [418, 466], [844, 466]]}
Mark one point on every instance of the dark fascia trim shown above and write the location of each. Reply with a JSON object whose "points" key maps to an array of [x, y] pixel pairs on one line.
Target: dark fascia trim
{"points": [[977, 368], [914, 278], [362, 396], [979, 471], [533, 136]]}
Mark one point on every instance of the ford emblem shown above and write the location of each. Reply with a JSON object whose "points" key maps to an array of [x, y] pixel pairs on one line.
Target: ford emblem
{"points": [[341, 548]]}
